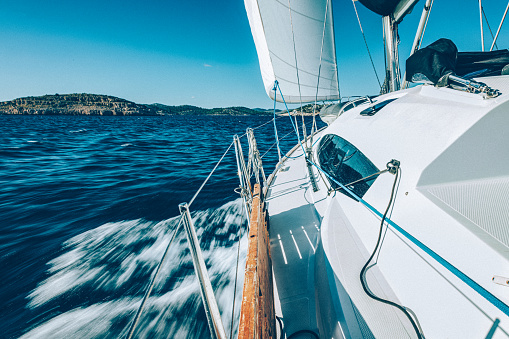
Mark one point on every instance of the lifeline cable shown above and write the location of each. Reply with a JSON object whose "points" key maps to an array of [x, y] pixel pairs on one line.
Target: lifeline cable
{"points": [[158, 269], [283, 137], [235, 285], [151, 285], [265, 123], [210, 174]]}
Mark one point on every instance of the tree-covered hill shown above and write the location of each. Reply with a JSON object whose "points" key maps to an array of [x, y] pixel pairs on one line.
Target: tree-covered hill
{"points": [[96, 104]]}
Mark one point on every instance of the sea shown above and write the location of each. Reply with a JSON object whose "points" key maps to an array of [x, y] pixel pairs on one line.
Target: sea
{"points": [[88, 205]]}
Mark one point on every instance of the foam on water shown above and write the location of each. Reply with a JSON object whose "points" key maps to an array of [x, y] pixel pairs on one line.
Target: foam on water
{"points": [[85, 220], [112, 264]]}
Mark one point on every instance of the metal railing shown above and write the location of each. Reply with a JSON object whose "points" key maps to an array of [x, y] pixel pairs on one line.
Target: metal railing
{"points": [[245, 173], [256, 217], [255, 214], [207, 293], [257, 315]]}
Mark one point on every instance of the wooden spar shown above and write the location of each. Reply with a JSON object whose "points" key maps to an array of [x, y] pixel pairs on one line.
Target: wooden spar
{"points": [[257, 316]]}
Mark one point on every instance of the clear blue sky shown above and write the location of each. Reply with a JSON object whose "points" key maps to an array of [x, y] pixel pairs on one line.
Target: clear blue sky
{"points": [[193, 52]]}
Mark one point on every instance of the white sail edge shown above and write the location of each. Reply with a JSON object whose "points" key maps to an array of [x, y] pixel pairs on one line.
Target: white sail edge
{"points": [[295, 45]]}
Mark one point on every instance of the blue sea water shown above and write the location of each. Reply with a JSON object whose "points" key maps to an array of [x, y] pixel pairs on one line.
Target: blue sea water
{"points": [[87, 206]]}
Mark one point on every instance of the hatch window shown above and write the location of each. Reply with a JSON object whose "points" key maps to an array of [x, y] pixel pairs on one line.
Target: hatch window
{"points": [[346, 164], [372, 110]]}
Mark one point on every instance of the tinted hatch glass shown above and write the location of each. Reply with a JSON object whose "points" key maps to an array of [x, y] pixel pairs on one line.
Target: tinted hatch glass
{"points": [[346, 164]]}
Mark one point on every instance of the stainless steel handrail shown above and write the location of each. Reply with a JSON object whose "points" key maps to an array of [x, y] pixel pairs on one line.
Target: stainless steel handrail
{"points": [[207, 293]]}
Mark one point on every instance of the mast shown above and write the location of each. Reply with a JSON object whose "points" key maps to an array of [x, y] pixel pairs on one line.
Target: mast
{"points": [[419, 34], [392, 77], [482, 30], [392, 12], [499, 27]]}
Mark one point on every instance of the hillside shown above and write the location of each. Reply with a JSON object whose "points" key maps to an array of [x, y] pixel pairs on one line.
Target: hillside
{"points": [[96, 104]]}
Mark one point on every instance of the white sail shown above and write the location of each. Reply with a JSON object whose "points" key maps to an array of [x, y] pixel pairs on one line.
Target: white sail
{"points": [[295, 44]]}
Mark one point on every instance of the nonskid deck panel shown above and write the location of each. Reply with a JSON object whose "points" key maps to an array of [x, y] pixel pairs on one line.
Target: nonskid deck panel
{"points": [[294, 234]]}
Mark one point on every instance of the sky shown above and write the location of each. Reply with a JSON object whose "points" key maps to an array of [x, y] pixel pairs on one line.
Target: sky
{"points": [[193, 52]]}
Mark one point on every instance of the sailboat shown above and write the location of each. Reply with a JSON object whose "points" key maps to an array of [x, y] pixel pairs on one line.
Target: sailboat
{"points": [[393, 221]]}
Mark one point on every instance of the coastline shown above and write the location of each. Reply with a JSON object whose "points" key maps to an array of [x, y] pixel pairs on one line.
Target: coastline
{"points": [[104, 105]]}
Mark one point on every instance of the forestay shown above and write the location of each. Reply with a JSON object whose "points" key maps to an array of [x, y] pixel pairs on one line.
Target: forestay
{"points": [[295, 44]]}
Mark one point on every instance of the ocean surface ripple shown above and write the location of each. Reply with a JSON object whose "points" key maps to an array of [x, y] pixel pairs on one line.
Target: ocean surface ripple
{"points": [[88, 205]]}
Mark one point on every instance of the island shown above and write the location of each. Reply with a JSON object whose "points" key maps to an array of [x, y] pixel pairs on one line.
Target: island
{"points": [[97, 104]]}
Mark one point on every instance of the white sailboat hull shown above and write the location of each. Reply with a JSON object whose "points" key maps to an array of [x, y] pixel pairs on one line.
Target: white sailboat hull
{"points": [[452, 199]]}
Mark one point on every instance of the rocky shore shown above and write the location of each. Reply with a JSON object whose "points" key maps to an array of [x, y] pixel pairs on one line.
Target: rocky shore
{"points": [[96, 104]]}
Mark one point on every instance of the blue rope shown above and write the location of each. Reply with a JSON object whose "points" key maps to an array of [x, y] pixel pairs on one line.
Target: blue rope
{"points": [[276, 85], [274, 119], [462, 276]]}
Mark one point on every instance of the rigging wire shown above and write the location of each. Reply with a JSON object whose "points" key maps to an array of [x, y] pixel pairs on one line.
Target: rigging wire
{"points": [[265, 123], [425, 25], [276, 84], [296, 69], [236, 275], [500, 26], [362, 179], [151, 285], [319, 69], [159, 266], [366, 43], [210, 174], [283, 137], [259, 126], [275, 128], [275, 143], [489, 27]]}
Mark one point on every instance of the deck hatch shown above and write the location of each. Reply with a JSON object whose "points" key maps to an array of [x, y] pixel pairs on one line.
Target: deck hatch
{"points": [[373, 109]]}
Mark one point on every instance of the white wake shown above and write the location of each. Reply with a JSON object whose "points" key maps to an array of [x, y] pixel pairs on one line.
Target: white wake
{"points": [[97, 283]]}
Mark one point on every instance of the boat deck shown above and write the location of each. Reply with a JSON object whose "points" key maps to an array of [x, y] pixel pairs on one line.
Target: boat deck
{"points": [[294, 233], [301, 271]]}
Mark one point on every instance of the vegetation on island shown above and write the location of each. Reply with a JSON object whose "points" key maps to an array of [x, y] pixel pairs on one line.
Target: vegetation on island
{"points": [[96, 104]]}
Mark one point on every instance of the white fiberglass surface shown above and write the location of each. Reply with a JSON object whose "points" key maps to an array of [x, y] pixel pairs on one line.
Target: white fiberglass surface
{"points": [[416, 129], [294, 229]]}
